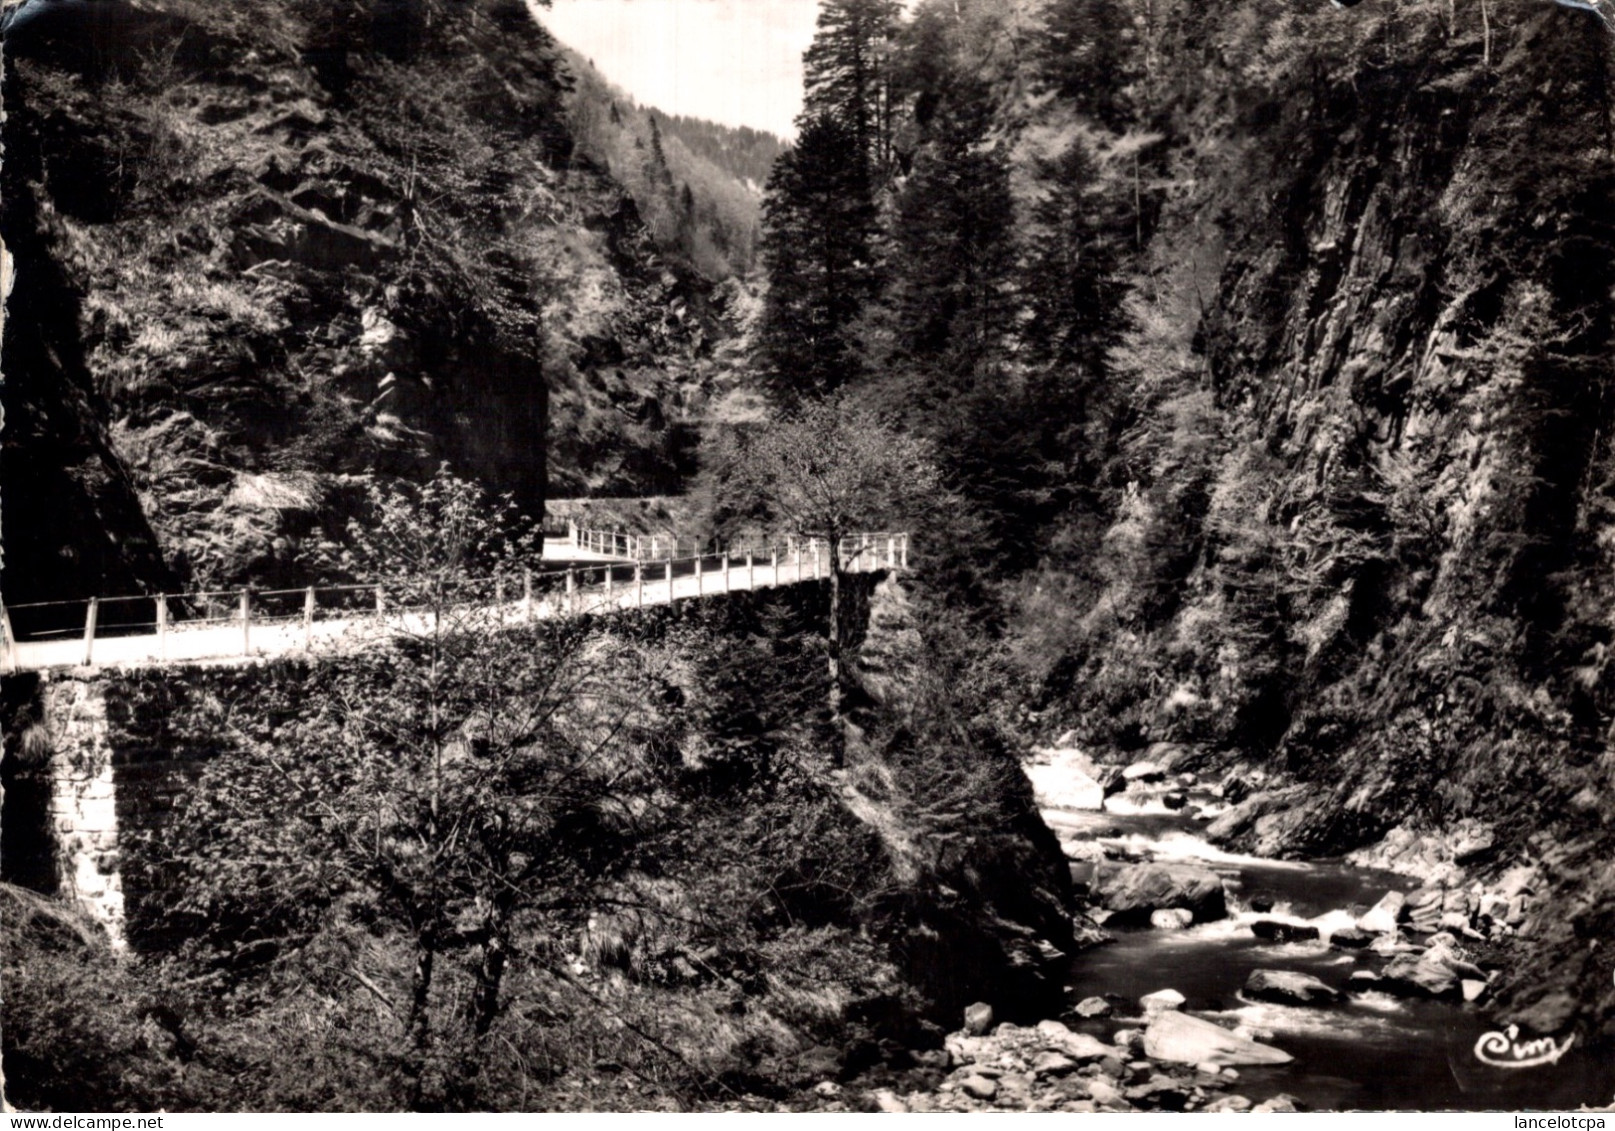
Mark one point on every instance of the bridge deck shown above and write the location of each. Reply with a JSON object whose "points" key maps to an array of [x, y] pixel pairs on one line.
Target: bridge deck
{"points": [[565, 551], [235, 641]]}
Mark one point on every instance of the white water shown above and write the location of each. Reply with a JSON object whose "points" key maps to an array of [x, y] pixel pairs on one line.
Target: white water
{"points": [[1369, 1051]]}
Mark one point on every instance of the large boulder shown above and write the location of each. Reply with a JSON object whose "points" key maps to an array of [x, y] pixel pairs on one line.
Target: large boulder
{"points": [[1080, 1047], [1383, 917], [978, 1018], [1093, 1007], [1437, 973], [1171, 918], [1242, 820], [1274, 930], [1160, 1001], [1133, 891], [1143, 772], [1288, 987], [1184, 1039], [1350, 938]]}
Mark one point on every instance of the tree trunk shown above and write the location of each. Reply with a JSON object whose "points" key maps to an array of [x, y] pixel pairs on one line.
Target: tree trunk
{"points": [[420, 1025], [490, 975]]}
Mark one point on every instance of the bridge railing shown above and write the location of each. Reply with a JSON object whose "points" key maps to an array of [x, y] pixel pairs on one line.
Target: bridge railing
{"points": [[224, 624], [633, 547]]}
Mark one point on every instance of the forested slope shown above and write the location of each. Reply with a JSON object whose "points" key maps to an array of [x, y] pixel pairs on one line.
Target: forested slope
{"points": [[1269, 343], [267, 250]]}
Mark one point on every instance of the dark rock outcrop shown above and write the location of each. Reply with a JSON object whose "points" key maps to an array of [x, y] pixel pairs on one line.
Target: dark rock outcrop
{"points": [[1133, 891]]}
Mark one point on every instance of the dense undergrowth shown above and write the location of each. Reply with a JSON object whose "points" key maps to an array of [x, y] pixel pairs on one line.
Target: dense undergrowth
{"points": [[718, 919]]}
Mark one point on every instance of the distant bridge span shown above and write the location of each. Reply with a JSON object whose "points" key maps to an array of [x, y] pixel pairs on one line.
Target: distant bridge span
{"points": [[607, 574]]}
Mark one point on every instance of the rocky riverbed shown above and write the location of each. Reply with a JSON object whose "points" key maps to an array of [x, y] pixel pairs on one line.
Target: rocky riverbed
{"points": [[1236, 982], [1175, 1063]]}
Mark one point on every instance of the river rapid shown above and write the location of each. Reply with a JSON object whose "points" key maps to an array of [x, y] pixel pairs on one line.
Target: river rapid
{"points": [[1369, 1050]]}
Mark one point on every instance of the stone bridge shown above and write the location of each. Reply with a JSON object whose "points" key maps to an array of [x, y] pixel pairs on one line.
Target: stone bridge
{"points": [[62, 813]]}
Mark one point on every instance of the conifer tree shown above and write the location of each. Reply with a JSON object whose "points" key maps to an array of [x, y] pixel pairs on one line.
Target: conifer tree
{"points": [[1087, 57], [848, 75], [1071, 278], [953, 249], [819, 232]]}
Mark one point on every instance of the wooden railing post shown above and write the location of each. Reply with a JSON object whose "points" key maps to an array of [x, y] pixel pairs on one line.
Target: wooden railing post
{"points": [[9, 642], [639, 585], [891, 552], [527, 595], [571, 591], [905, 551], [700, 573], [246, 622], [308, 618], [381, 601], [89, 630], [610, 582], [162, 626], [670, 580]]}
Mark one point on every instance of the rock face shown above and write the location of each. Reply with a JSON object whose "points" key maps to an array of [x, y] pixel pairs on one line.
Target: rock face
{"points": [[1191, 1040], [1132, 892], [1289, 987], [212, 342], [1004, 934]]}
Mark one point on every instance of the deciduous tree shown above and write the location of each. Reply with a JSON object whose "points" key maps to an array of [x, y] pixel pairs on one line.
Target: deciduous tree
{"points": [[829, 469], [454, 779]]}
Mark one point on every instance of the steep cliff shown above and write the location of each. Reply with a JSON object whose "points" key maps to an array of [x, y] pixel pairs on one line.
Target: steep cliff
{"points": [[264, 249], [1357, 517]]}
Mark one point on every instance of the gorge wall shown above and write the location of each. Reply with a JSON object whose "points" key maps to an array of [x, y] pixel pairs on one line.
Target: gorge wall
{"points": [[267, 250], [1356, 520]]}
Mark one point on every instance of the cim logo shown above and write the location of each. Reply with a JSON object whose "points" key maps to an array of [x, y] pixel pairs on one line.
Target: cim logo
{"points": [[1506, 1050]]}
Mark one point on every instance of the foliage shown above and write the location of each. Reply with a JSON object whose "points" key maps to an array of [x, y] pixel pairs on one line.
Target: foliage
{"points": [[82, 1032], [462, 780], [819, 232], [697, 185], [827, 469], [953, 248], [848, 78]]}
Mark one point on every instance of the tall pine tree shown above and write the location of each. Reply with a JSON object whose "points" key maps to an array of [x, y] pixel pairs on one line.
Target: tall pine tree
{"points": [[819, 231], [1072, 272], [953, 244], [847, 75], [1089, 57]]}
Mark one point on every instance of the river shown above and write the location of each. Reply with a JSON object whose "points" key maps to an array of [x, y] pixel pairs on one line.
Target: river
{"points": [[1369, 1051]]}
